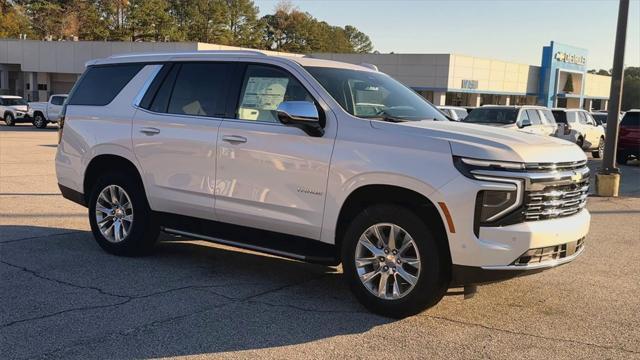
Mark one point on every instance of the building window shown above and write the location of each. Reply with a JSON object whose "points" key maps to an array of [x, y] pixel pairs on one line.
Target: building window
{"points": [[42, 87]]}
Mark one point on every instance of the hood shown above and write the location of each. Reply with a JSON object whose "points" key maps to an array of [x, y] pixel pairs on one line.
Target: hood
{"points": [[494, 143]]}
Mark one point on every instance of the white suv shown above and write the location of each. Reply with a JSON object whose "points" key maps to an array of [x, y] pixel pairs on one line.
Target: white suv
{"points": [[579, 127], [528, 118], [271, 154], [14, 109]]}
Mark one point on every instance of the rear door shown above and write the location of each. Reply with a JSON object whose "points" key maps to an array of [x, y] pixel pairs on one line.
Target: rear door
{"points": [[175, 132]]}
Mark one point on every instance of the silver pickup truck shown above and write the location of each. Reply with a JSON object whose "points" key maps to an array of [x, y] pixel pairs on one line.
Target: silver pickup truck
{"points": [[43, 113]]}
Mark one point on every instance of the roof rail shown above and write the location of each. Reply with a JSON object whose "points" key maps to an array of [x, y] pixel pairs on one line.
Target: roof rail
{"points": [[370, 66], [189, 53]]}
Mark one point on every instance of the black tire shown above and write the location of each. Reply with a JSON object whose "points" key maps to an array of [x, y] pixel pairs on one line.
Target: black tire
{"points": [[9, 120], [622, 157], [39, 121], [599, 153], [433, 279], [144, 230]]}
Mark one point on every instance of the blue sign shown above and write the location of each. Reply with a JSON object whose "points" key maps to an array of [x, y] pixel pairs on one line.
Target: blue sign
{"points": [[557, 58]]}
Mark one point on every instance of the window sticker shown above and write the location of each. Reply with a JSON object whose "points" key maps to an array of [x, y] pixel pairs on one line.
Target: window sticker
{"points": [[264, 93]]}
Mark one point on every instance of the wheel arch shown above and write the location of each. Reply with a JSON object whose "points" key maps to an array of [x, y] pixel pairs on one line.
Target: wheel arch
{"points": [[100, 164], [371, 194]]}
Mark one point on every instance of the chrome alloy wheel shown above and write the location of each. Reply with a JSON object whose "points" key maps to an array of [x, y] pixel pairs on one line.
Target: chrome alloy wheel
{"points": [[387, 261], [114, 213]]}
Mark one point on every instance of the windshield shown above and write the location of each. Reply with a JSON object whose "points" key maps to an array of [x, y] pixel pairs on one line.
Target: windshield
{"points": [[631, 119], [14, 101], [600, 117], [492, 116], [373, 95], [560, 116]]}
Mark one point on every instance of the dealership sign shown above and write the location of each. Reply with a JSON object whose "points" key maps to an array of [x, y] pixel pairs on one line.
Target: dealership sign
{"points": [[469, 84], [570, 58]]}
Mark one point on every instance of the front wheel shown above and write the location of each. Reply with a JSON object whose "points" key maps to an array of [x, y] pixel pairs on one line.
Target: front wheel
{"points": [[599, 153], [8, 119], [392, 262], [39, 121], [121, 220]]}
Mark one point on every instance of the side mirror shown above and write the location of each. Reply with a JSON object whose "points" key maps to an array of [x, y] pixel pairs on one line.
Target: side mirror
{"points": [[301, 114], [525, 123]]}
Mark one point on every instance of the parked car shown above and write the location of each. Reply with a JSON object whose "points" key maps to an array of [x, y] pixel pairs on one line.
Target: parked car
{"points": [[579, 127], [601, 117], [43, 113], [629, 137], [454, 113], [270, 154], [14, 109], [531, 119]]}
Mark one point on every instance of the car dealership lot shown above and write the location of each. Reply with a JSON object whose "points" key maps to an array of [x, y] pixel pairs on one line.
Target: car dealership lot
{"points": [[61, 296]]}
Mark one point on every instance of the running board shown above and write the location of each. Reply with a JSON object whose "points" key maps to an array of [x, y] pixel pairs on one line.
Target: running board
{"points": [[268, 242]]}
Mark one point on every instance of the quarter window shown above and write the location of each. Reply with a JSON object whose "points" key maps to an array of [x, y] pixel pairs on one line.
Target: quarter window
{"points": [[200, 89], [57, 100], [100, 84], [264, 88]]}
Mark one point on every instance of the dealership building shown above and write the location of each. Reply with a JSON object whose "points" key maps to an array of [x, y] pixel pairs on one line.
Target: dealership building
{"points": [[37, 69]]}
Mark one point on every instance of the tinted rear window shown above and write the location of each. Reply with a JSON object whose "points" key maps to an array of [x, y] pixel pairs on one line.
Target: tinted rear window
{"points": [[600, 117], [560, 116], [100, 84], [631, 119], [201, 89], [492, 115]]}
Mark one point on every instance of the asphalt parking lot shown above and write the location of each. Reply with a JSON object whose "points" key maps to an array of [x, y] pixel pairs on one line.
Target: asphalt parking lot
{"points": [[61, 296]]}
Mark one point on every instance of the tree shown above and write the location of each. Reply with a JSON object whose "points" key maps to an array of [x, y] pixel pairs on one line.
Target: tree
{"points": [[599, 72], [13, 21], [241, 23], [631, 89], [568, 85], [360, 42], [150, 20]]}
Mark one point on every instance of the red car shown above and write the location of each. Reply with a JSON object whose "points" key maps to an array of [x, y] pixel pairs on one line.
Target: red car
{"points": [[629, 137]]}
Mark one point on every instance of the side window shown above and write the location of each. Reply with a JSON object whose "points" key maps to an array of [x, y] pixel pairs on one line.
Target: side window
{"points": [[1, 102], [547, 117], [572, 117], [200, 89], [589, 119], [100, 84], [264, 88], [534, 117], [581, 118], [57, 100], [160, 100]]}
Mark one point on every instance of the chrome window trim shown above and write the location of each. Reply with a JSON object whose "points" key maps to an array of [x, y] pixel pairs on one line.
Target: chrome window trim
{"points": [[147, 84]]}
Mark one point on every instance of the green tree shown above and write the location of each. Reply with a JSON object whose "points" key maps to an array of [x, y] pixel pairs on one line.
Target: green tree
{"points": [[631, 89], [360, 42], [46, 18], [568, 84], [242, 27], [150, 20]]}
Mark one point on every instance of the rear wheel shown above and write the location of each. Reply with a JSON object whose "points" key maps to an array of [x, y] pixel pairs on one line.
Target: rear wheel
{"points": [[599, 153], [392, 262], [39, 121], [121, 220], [8, 119]]}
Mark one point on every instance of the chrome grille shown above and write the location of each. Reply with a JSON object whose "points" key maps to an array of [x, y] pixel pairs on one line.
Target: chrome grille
{"points": [[543, 254], [571, 165], [556, 201]]}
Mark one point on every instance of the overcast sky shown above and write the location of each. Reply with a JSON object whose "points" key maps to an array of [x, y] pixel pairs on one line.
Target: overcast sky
{"points": [[513, 30]]}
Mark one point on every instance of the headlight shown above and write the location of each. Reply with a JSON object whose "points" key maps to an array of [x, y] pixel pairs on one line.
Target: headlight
{"points": [[497, 206]]}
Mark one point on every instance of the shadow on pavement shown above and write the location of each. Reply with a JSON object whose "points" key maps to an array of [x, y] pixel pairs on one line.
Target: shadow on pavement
{"points": [[188, 298], [23, 127]]}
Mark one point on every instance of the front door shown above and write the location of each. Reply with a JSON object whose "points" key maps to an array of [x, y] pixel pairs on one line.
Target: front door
{"points": [[175, 136], [271, 176]]}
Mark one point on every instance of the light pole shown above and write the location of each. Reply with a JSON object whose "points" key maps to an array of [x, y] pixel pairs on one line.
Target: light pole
{"points": [[608, 177]]}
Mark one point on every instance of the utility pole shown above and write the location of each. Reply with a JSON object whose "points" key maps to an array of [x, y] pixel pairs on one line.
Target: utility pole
{"points": [[608, 177]]}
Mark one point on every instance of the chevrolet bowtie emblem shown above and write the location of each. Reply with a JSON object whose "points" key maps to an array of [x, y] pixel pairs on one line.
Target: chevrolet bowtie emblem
{"points": [[576, 176]]}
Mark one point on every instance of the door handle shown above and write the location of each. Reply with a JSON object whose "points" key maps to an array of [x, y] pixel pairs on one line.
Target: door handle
{"points": [[234, 139], [150, 131]]}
